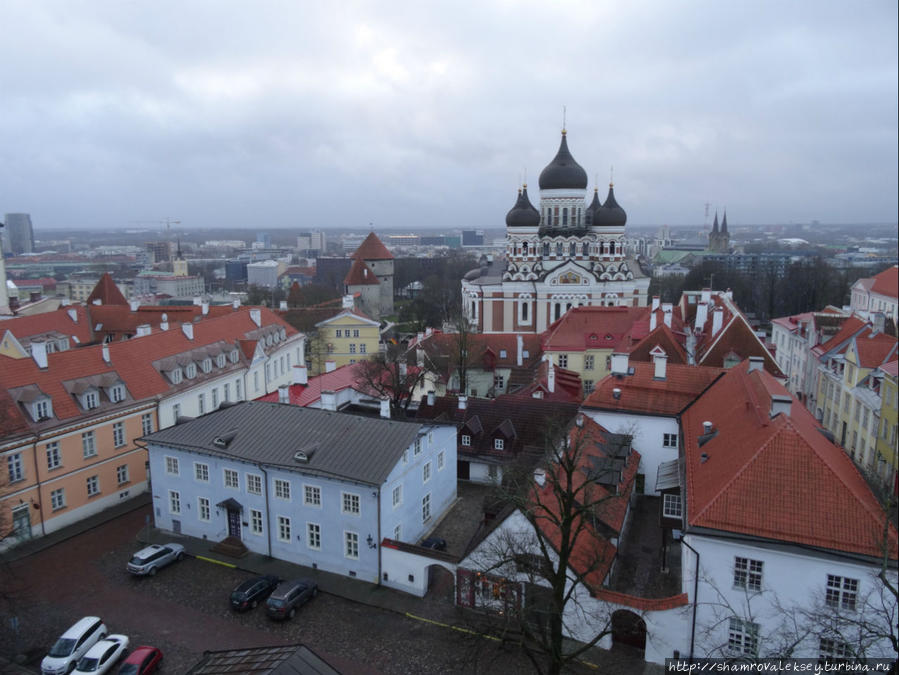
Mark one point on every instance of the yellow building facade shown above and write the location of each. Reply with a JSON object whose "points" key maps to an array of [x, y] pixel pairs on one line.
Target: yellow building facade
{"points": [[348, 337]]}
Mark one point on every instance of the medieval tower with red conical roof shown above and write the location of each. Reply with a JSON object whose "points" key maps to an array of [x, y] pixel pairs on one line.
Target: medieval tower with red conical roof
{"points": [[371, 277]]}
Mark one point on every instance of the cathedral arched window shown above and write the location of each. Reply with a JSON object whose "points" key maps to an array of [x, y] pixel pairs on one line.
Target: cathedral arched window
{"points": [[556, 216], [586, 250], [545, 249], [578, 221], [564, 217], [559, 249], [572, 250]]}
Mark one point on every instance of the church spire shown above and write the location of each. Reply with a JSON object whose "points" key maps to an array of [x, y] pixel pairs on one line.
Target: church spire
{"points": [[715, 224]]}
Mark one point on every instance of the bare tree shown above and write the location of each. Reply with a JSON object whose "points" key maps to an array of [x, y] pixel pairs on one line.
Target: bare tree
{"points": [[461, 357], [389, 375], [568, 507]]}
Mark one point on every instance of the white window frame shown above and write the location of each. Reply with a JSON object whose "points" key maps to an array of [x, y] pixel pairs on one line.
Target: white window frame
{"points": [[204, 509], [742, 637], [231, 473], [314, 536], [122, 474], [15, 467], [499, 444], [172, 466], [351, 503], [284, 528], [397, 496], [54, 455], [416, 450], [201, 472], [257, 524], [146, 424], [282, 489], [93, 485], [466, 441], [841, 592], [832, 649], [672, 506], [254, 484], [669, 440], [748, 573], [58, 499], [89, 444], [351, 545], [426, 472], [174, 502], [441, 460], [397, 533], [426, 508], [312, 496]]}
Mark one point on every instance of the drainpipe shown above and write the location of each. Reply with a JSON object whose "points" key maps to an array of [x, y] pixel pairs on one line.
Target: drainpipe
{"points": [[40, 497], [379, 535], [268, 524], [695, 593]]}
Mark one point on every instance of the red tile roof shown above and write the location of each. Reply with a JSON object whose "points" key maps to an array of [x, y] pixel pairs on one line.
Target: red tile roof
{"points": [[776, 478], [597, 328], [735, 340], [119, 321], [642, 393], [887, 282], [891, 368], [360, 275], [852, 326], [873, 349], [107, 292], [338, 379], [662, 337], [372, 249], [59, 320]]}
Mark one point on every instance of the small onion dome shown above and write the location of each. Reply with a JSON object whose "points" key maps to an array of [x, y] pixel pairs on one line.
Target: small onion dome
{"points": [[563, 172], [610, 214], [523, 214], [594, 206]]}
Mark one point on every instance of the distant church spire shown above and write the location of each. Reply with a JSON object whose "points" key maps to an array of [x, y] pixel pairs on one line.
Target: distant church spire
{"points": [[724, 223], [715, 224]]}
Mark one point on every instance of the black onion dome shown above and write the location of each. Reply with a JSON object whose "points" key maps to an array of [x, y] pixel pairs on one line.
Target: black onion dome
{"points": [[593, 207], [523, 214], [610, 214], [563, 172]]}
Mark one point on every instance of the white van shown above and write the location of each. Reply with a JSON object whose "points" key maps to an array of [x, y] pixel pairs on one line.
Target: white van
{"points": [[72, 645]]}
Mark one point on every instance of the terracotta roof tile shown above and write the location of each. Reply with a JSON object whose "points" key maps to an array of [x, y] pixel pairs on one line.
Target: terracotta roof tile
{"points": [[59, 320], [887, 282], [873, 348], [372, 248], [360, 275], [597, 328], [776, 478], [662, 337], [107, 292]]}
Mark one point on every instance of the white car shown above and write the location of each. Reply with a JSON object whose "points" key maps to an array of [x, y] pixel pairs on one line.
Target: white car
{"points": [[72, 645], [149, 560], [102, 656]]}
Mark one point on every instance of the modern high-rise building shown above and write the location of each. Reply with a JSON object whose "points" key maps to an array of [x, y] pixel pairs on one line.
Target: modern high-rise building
{"points": [[19, 233]]}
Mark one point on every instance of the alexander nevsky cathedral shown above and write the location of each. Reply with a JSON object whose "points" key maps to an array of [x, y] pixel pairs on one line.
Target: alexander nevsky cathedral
{"points": [[565, 254]]}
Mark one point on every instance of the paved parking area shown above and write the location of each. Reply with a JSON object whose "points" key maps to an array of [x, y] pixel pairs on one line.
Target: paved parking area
{"points": [[184, 611]]}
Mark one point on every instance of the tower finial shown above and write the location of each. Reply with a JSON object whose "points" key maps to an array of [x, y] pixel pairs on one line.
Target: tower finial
{"points": [[611, 176], [564, 111], [525, 182]]}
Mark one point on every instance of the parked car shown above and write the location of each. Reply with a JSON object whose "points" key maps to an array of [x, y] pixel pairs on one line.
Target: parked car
{"points": [[253, 591], [142, 661], [284, 600], [149, 560], [102, 656], [435, 543], [72, 645]]}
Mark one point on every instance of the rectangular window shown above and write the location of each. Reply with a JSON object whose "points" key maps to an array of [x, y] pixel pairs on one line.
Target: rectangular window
{"points": [[312, 495], [748, 574], [743, 637], [93, 485], [671, 506], [58, 499], [203, 508], [215, 398], [121, 474], [255, 521], [363, 348], [176, 412], [426, 472], [355, 332], [282, 489], [833, 649], [351, 503], [201, 472], [254, 484], [397, 532], [563, 360], [499, 444], [172, 466], [255, 382], [441, 460], [397, 495], [227, 391], [842, 592], [146, 423], [201, 403], [237, 389], [283, 528], [352, 348], [54, 458], [588, 387], [426, 508], [314, 536], [174, 501], [15, 467], [338, 332], [231, 479], [499, 382], [89, 444], [351, 545], [669, 440], [466, 440], [589, 361]]}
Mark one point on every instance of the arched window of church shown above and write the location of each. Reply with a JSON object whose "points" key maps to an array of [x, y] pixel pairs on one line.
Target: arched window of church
{"points": [[572, 250], [556, 216], [524, 311], [558, 311], [559, 249], [578, 222], [586, 250], [564, 216], [545, 249]]}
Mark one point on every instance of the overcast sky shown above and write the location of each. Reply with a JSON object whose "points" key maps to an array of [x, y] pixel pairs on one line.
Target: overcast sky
{"points": [[263, 114]]}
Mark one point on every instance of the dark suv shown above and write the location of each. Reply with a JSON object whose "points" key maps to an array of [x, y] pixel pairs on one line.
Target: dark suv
{"points": [[284, 600], [252, 591]]}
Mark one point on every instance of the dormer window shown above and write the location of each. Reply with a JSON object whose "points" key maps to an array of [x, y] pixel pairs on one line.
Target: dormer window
{"points": [[282, 334], [499, 444], [206, 364], [42, 409], [190, 371], [116, 393], [90, 399], [220, 360], [233, 356], [175, 376], [466, 440]]}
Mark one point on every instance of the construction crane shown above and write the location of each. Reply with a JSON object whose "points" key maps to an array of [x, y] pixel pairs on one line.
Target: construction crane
{"points": [[168, 222]]}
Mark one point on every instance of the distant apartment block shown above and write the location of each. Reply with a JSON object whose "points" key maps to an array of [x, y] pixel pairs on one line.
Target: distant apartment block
{"points": [[19, 233]]}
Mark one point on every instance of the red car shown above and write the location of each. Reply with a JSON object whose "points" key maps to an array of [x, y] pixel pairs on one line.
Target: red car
{"points": [[141, 661]]}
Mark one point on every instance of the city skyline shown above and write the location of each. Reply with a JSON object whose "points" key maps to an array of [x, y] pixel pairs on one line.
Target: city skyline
{"points": [[279, 117]]}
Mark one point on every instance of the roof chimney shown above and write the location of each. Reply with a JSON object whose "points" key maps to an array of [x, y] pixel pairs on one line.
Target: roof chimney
{"points": [[39, 354], [707, 427], [463, 402], [300, 375], [756, 363], [667, 311], [188, 330], [550, 376], [519, 349], [134, 305], [65, 302], [660, 361], [655, 303], [282, 305], [283, 394], [144, 329], [164, 323], [717, 320], [781, 403], [329, 400], [703, 458], [432, 398], [347, 302], [256, 317], [878, 322], [653, 321], [97, 301], [330, 366], [204, 308], [235, 304], [702, 313], [197, 301], [619, 363], [540, 477], [385, 408], [706, 295], [579, 420], [73, 314], [616, 394]]}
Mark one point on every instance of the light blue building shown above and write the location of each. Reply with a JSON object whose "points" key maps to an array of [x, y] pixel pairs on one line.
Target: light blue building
{"points": [[314, 487]]}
